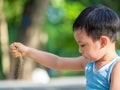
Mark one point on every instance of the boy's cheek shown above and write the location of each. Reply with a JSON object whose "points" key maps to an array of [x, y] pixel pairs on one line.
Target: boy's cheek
{"points": [[91, 55]]}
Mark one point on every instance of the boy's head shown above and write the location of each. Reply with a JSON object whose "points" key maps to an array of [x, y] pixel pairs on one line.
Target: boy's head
{"points": [[98, 21]]}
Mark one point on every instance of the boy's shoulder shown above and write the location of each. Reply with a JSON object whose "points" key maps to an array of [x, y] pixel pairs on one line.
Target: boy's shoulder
{"points": [[116, 67]]}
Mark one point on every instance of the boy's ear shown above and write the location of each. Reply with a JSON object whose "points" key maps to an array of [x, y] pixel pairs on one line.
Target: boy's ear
{"points": [[103, 41]]}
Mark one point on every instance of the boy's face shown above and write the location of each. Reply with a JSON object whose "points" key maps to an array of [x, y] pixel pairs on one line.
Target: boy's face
{"points": [[90, 49]]}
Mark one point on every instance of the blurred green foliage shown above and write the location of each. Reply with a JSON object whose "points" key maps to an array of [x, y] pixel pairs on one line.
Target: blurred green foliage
{"points": [[13, 10], [71, 73], [58, 24]]}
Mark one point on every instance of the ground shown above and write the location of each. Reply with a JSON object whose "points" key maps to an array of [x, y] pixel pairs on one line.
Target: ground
{"points": [[61, 83]]}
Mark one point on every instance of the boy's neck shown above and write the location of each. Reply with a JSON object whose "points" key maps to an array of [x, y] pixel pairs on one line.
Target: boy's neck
{"points": [[108, 57]]}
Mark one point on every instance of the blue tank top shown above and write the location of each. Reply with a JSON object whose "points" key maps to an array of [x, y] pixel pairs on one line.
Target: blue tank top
{"points": [[100, 79]]}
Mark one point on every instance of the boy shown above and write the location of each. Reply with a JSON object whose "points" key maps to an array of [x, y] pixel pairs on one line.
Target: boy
{"points": [[96, 32]]}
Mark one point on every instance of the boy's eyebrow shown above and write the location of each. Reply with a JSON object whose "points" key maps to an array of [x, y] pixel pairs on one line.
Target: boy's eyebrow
{"points": [[80, 41]]}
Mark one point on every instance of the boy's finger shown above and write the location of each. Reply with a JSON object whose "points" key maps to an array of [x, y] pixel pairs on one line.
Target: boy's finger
{"points": [[14, 51], [15, 55], [13, 48]]}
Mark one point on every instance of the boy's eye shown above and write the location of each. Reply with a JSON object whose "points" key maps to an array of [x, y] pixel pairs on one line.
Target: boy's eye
{"points": [[82, 45]]}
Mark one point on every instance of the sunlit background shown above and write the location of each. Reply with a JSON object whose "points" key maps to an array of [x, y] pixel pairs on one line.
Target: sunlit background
{"points": [[44, 25]]}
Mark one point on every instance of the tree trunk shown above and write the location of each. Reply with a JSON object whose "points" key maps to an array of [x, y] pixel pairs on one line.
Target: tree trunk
{"points": [[30, 34], [5, 61]]}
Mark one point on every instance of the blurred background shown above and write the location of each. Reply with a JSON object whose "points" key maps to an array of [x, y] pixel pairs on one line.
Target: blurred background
{"points": [[44, 25]]}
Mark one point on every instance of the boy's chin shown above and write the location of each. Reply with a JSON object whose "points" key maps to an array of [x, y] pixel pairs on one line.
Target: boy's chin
{"points": [[90, 59]]}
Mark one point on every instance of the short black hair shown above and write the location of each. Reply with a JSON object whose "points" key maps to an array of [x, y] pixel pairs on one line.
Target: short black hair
{"points": [[98, 20]]}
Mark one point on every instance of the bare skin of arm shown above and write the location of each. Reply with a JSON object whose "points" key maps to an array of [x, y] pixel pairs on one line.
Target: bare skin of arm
{"points": [[115, 77], [48, 59]]}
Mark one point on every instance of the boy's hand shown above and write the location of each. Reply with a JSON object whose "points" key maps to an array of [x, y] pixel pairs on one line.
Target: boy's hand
{"points": [[18, 49]]}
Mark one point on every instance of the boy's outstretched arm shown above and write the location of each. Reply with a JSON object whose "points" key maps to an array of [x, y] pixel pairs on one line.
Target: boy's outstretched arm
{"points": [[48, 59]]}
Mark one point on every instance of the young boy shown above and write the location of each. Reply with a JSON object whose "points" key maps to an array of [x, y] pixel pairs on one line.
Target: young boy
{"points": [[96, 32]]}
